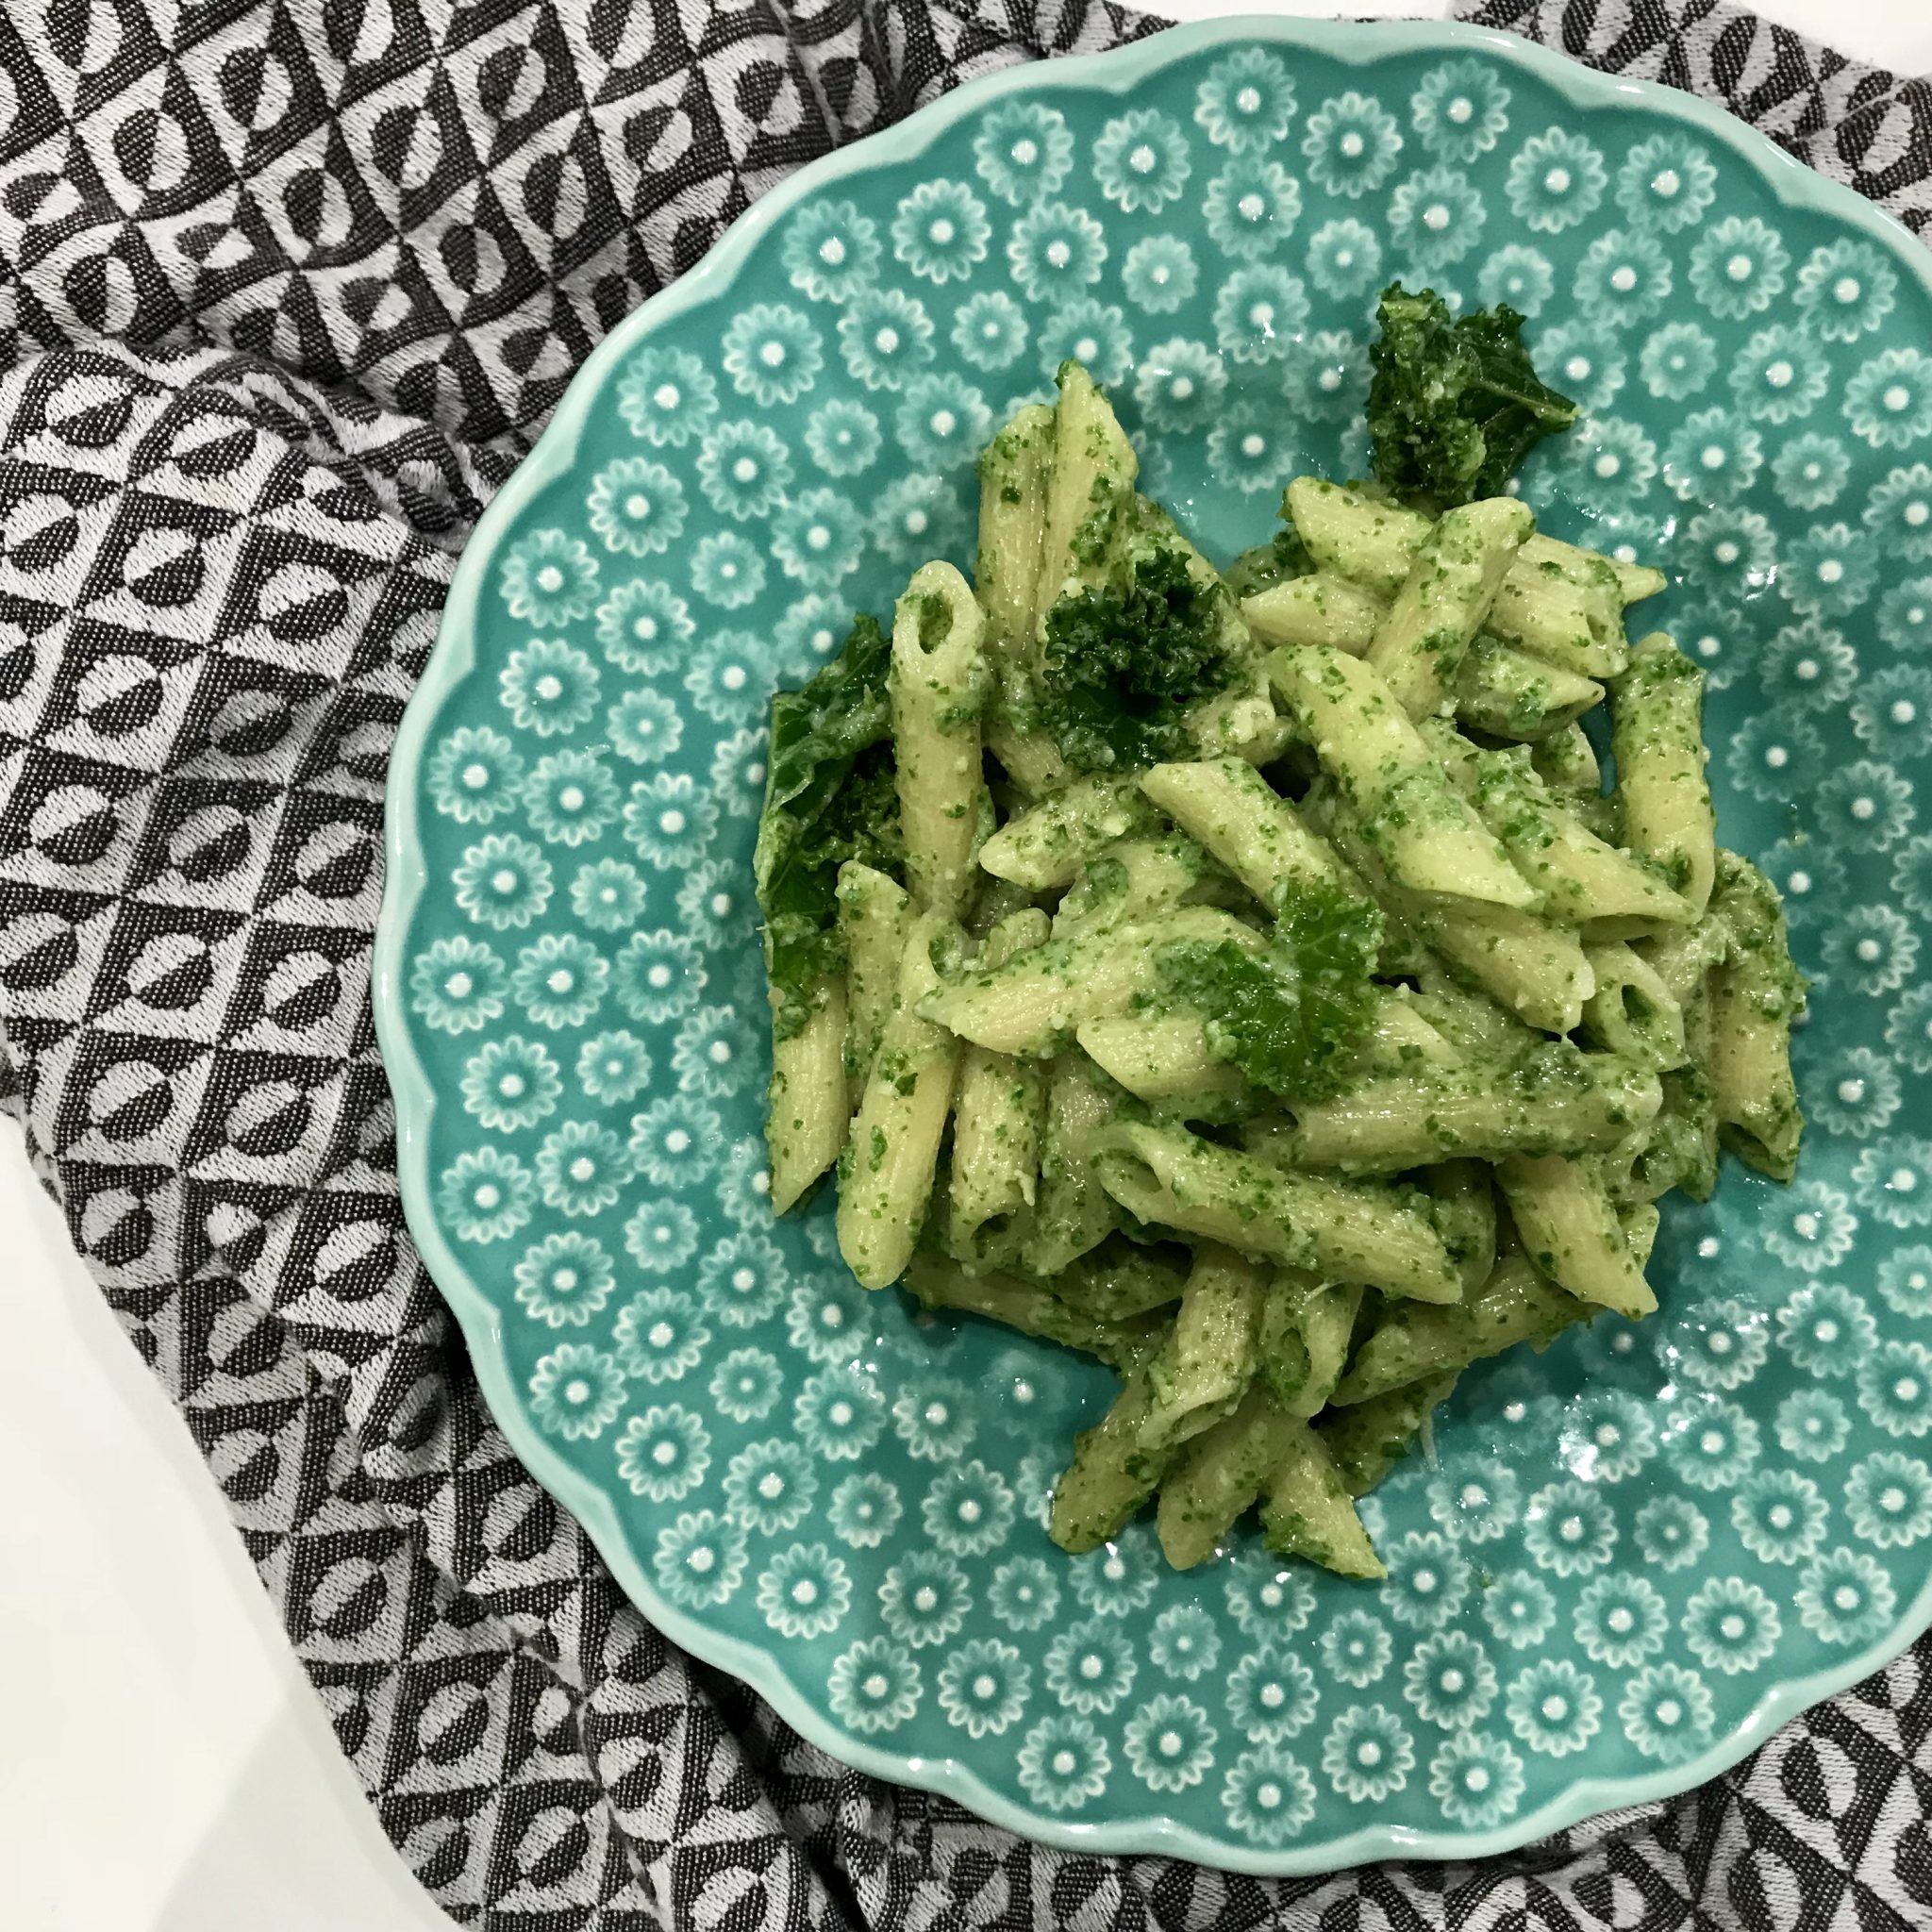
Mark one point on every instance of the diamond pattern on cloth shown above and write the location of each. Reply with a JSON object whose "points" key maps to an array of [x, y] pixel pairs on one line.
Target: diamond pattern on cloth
{"points": [[285, 292]]}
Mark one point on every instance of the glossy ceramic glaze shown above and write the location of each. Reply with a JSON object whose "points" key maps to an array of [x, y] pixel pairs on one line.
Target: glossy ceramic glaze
{"points": [[1628, 1557]]}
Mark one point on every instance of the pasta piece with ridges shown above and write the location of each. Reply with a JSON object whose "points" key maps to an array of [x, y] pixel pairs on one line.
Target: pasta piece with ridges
{"points": [[1345, 1231], [937, 685], [806, 1107], [1662, 793], [1452, 582], [886, 1174], [1386, 771]]}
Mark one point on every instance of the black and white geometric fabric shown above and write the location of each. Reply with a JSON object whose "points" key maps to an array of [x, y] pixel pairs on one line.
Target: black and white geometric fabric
{"points": [[286, 288], [1869, 129]]}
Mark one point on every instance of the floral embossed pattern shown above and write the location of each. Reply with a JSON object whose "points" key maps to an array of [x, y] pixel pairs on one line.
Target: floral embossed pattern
{"points": [[1621, 1548]]}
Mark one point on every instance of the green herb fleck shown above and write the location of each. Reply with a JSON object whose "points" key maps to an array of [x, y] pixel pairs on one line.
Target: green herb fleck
{"points": [[1289, 1016], [1454, 406], [1124, 662], [832, 795]]}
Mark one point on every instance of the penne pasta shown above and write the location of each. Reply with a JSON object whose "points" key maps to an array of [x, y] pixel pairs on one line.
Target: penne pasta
{"points": [[1662, 794], [806, 1112], [998, 1110], [936, 688], [1244, 981], [1452, 584], [887, 1170], [1426, 833], [1755, 997]]}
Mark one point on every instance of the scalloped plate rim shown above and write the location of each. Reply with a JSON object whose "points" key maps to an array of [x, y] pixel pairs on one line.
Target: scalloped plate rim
{"points": [[1116, 71]]}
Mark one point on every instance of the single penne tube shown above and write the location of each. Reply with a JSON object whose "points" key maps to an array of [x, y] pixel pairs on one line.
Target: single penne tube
{"points": [[1635, 581], [1321, 608], [1112, 1475], [1073, 1213], [806, 1112], [1657, 738], [1245, 824], [1132, 879], [1633, 1013], [886, 1174], [938, 1283], [1577, 626], [1465, 1212], [1306, 1511], [1452, 582], [1413, 1343], [1568, 1228], [998, 1110], [1013, 472], [1034, 1003], [1209, 1357], [1553, 1099], [1164, 1059], [1045, 845], [1535, 969], [1566, 762], [1584, 880], [1755, 995], [937, 687], [1219, 1473], [1345, 1231], [1089, 485], [1427, 834], [1368, 1439], [1367, 542], [1508, 693], [874, 916]]}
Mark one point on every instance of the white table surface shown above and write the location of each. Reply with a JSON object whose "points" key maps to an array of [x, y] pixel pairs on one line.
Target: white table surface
{"points": [[164, 1766]]}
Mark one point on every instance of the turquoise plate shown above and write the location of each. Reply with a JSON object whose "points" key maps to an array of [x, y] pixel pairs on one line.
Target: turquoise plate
{"points": [[1631, 1558]]}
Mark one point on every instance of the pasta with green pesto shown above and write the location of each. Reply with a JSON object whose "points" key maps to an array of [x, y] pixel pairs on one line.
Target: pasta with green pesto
{"points": [[1245, 977]]}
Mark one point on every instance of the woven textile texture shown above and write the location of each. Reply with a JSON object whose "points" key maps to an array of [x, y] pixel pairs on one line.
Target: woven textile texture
{"points": [[285, 290]]}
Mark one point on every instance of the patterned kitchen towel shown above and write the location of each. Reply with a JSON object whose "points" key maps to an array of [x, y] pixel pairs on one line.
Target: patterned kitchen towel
{"points": [[1869, 129], [285, 290]]}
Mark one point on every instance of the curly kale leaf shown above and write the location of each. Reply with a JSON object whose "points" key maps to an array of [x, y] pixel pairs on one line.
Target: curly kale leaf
{"points": [[1289, 1016], [1453, 405], [1124, 662], [831, 795]]}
